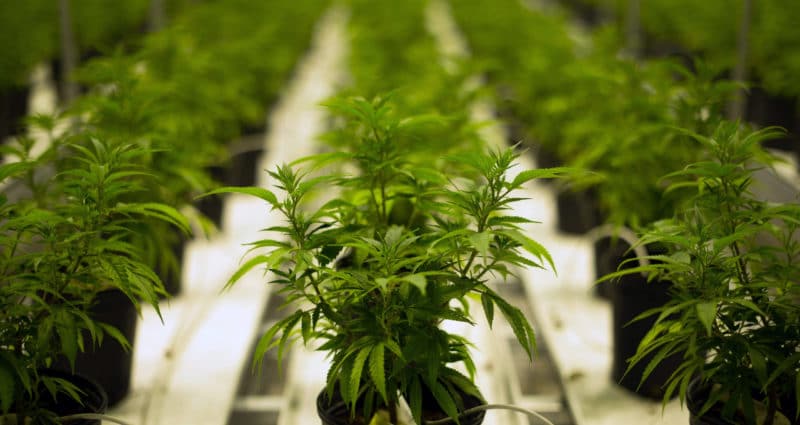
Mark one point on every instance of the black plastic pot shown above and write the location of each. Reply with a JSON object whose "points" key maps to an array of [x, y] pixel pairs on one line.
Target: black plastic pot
{"points": [[631, 296], [334, 412], [545, 158], [431, 410], [768, 109], [578, 211], [13, 107], [696, 396], [243, 163], [94, 399], [212, 206], [609, 252], [109, 364]]}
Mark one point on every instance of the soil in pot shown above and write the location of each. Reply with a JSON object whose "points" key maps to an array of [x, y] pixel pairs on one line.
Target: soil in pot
{"points": [[109, 364], [698, 393], [631, 296]]}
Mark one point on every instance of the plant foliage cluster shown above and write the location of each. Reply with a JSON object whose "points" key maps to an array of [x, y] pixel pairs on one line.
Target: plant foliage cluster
{"points": [[94, 205], [732, 259], [404, 245]]}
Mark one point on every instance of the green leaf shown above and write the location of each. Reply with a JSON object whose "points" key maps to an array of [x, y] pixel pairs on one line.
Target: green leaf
{"points": [[68, 336], [759, 363], [480, 241], [531, 246], [12, 169], [415, 399], [162, 212], [519, 324], [706, 312], [305, 327], [418, 280], [444, 399], [540, 173], [270, 260], [258, 192], [376, 370], [358, 369], [117, 335], [488, 308], [748, 304]]}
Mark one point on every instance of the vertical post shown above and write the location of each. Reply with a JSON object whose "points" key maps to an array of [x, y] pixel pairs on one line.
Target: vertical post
{"points": [[157, 16], [736, 108], [69, 52], [633, 28]]}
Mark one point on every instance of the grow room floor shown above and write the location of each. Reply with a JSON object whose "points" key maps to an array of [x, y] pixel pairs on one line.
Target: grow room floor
{"points": [[192, 366]]}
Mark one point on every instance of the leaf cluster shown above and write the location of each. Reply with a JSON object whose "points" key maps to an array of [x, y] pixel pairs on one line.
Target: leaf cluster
{"points": [[401, 247], [732, 261], [65, 237]]}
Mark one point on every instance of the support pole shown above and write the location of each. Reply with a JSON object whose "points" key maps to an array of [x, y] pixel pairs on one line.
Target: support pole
{"points": [[69, 53], [737, 107]]}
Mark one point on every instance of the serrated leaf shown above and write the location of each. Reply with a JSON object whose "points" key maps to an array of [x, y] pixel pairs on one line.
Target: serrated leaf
{"points": [[68, 337], [258, 192], [480, 241], [269, 260], [759, 363], [376, 370], [706, 312], [117, 335], [540, 173], [356, 372], [418, 280], [488, 308], [519, 325], [531, 246], [748, 304], [444, 399], [415, 400], [14, 168], [162, 212], [305, 327]]}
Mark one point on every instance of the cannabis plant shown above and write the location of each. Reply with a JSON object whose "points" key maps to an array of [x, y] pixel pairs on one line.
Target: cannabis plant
{"points": [[406, 242], [63, 239], [732, 259]]}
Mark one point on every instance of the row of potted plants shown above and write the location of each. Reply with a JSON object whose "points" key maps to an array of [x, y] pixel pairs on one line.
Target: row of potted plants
{"points": [[412, 226], [632, 123], [33, 36], [98, 209], [688, 29]]}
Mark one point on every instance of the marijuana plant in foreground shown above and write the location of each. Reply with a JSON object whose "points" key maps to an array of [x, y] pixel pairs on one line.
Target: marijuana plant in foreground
{"points": [[401, 247]]}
